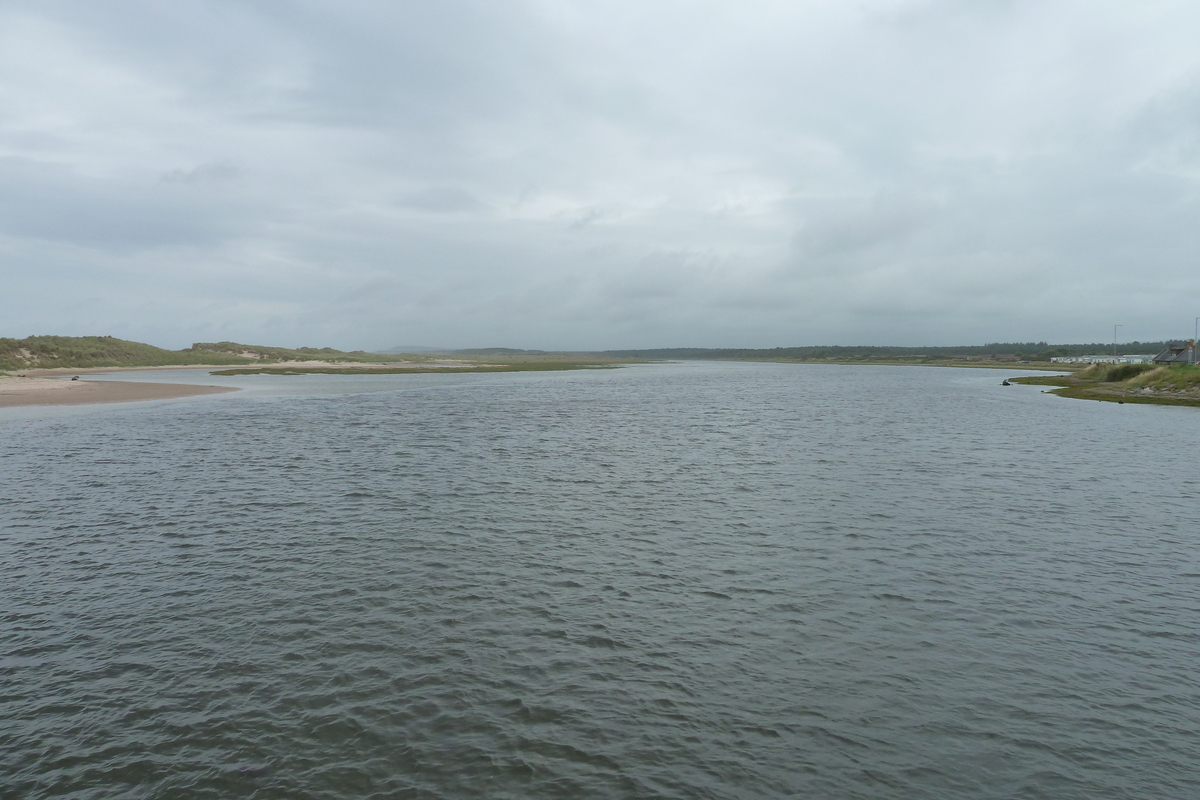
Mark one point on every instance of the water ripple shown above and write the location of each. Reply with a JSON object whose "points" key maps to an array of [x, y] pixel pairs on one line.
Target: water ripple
{"points": [[702, 581]]}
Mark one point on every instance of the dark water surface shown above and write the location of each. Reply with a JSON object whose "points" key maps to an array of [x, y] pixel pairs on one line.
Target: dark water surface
{"points": [[683, 581]]}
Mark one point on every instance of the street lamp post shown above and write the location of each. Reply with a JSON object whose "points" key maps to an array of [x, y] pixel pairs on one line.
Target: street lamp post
{"points": [[1115, 339]]}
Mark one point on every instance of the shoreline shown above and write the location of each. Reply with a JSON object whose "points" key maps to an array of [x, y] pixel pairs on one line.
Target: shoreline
{"points": [[48, 372], [1110, 392], [43, 391], [50, 387]]}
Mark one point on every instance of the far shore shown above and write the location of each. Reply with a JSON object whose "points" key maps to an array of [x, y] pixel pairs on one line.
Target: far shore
{"points": [[36, 387], [1039, 366]]}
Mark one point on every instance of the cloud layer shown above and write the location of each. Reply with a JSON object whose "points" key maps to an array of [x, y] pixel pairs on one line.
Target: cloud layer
{"points": [[602, 174]]}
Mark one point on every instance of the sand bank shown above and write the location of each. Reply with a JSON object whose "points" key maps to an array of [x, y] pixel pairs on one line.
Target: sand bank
{"points": [[49, 392], [449, 363], [48, 387]]}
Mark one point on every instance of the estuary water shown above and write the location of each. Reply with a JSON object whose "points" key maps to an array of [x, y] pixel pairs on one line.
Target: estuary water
{"points": [[697, 580]]}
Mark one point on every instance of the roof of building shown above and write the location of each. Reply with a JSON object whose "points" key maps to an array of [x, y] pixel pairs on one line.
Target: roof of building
{"points": [[1175, 354]]}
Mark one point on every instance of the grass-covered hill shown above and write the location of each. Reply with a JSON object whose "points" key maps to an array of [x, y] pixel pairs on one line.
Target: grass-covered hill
{"points": [[78, 352], [48, 352]]}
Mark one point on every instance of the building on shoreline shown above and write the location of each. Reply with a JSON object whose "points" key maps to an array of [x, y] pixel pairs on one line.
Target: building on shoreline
{"points": [[1130, 359], [1177, 354]]}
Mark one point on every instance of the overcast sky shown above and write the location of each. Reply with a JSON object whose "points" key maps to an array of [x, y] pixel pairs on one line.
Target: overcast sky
{"points": [[600, 173]]}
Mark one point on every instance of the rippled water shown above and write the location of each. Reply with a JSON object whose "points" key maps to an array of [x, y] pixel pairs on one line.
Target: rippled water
{"points": [[696, 580]]}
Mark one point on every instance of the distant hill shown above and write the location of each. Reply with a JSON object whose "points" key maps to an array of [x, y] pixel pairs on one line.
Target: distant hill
{"points": [[417, 349], [499, 351]]}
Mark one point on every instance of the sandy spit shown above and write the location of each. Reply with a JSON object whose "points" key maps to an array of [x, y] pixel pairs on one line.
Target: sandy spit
{"points": [[47, 387], [48, 392]]}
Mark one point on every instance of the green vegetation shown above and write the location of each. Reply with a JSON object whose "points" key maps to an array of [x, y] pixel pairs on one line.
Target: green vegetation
{"points": [[1181, 378], [1177, 385], [514, 366], [49, 352], [1115, 373], [81, 352]]}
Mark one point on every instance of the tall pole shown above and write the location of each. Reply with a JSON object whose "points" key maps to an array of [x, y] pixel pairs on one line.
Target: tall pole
{"points": [[1115, 339], [1195, 336]]}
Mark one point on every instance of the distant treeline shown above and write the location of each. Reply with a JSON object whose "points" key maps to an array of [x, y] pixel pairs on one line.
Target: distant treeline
{"points": [[1032, 351]]}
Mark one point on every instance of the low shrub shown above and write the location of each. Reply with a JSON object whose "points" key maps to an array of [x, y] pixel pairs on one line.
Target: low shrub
{"points": [[1123, 372]]}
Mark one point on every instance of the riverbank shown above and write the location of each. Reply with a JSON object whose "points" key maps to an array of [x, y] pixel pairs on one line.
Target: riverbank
{"points": [[1125, 383], [43, 391]]}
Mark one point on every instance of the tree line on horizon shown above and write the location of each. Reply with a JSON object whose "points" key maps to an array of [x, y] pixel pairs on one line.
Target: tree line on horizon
{"points": [[1028, 351]]}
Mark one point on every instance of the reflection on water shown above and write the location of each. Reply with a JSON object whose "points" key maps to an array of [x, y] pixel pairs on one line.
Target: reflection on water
{"points": [[700, 580]]}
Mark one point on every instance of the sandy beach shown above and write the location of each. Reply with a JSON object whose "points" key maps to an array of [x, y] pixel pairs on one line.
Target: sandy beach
{"points": [[38, 391]]}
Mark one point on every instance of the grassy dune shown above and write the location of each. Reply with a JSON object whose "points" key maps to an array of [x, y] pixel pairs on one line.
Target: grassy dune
{"points": [[80, 352], [49, 352]]}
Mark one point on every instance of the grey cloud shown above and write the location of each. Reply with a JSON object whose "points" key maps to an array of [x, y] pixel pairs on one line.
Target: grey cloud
{"points": [[609, 174], [884, 220], [51, 203], [441, 200], [214, 172]]}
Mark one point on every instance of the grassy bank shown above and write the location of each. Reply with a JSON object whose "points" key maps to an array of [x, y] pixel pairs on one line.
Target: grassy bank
{"points": [[1126, 383]]}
